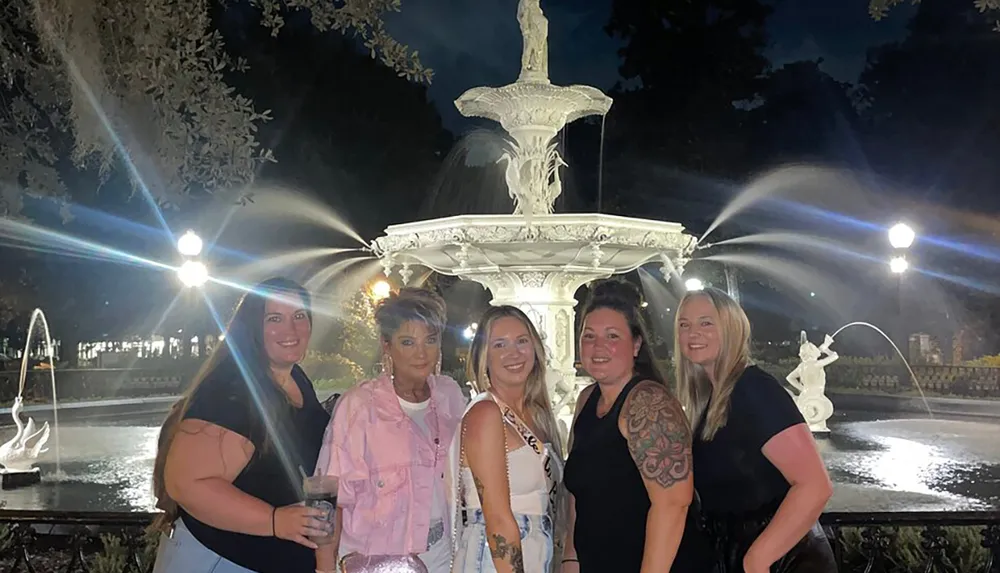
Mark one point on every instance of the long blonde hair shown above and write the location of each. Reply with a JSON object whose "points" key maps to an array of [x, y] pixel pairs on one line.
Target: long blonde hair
{"points": [[537, 403], [699, 397], [536, 393]]}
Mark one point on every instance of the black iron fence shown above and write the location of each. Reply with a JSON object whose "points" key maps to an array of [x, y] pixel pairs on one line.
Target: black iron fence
{"points": [[926, 542]]}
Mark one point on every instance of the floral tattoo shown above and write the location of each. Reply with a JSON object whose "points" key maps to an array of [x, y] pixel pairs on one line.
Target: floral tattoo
{"points": [[658, 434]]}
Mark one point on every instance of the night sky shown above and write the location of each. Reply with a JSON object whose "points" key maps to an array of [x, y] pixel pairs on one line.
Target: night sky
{"points": [[469, 44]]}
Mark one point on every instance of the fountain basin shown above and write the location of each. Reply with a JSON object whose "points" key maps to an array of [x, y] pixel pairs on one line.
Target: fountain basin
{"points": [[539, 105], [536, 263], [13, 479], [473, 244]]}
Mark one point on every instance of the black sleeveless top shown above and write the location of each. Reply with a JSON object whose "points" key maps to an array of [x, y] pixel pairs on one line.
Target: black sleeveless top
{"points": [[611, 499], [225, 400]]}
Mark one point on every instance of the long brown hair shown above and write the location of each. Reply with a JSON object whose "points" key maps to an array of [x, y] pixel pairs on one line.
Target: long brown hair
{"points": [[243, 355], [697, 394]]}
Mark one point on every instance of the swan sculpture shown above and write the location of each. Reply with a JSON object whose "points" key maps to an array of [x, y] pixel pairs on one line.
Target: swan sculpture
{"points": [[20, 453]]}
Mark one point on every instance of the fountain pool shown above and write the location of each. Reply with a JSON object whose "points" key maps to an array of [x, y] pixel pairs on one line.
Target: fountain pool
{"points": [[877, 462]]}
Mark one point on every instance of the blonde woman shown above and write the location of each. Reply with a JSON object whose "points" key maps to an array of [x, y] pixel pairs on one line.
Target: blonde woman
{"points": [[760, 478], [506, 461]]}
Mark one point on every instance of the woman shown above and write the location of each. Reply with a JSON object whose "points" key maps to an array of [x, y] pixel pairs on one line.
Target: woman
{"points": [[629, 469], [387, 445], [228, 472], [761, 480], [507, 461]]}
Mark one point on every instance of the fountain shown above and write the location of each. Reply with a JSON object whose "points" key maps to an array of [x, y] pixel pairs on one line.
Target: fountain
{"points": [[535, 259], [18, 455], [809, 379]]}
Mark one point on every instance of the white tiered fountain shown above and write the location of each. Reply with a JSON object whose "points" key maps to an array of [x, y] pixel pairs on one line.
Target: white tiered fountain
{"points": [[535, 259]]}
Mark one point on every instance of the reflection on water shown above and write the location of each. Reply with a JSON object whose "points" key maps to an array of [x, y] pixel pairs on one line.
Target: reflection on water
{"points": [[933, 463], [876, 464], [104, 468]]}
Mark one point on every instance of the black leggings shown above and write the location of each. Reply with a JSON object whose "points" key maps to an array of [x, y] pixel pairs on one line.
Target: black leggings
{"points": [[732, 535]]}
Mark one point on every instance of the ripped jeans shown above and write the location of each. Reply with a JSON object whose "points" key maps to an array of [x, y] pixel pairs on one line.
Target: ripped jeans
{"points": [[474, 556]]}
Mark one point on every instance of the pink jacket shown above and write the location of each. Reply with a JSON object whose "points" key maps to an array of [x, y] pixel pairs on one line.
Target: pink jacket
{"points": [[385, 464]]}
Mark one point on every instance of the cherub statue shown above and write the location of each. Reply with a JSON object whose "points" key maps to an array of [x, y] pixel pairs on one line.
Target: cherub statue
{"points": [[809, 378]]}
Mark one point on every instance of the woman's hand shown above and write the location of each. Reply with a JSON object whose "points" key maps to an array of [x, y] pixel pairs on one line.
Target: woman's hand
{"points": [[297, 523]]}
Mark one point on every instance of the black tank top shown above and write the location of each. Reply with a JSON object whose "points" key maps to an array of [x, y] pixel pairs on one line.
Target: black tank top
{"points": [[611, 499]]}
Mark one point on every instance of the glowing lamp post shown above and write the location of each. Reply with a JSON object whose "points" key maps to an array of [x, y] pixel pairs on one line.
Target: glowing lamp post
{"points": [[381, 290], [470, 331], [694, 284], [190, 244], [901, 237], [192, 273]]}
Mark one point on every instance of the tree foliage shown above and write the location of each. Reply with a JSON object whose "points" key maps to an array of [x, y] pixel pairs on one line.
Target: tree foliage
{"points": [[880, 8], [145, 83]]}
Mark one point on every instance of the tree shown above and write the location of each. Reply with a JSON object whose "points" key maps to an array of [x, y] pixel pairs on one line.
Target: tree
{"points": [[687, 66], [143, 84], [804, 116], [880, 8]]}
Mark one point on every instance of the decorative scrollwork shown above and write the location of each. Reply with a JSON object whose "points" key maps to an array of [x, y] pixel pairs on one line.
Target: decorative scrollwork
{"points": [[875, 543], [935, 546], [991, 542]]}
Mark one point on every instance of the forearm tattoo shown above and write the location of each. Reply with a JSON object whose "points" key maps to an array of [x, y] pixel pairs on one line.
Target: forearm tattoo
{"points": [[509, 552], [658, 434], [479, 487]]}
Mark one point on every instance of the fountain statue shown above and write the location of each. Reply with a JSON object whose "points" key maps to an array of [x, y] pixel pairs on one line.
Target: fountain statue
{"points": [[809, 379], [19, 454], [535, 259]]}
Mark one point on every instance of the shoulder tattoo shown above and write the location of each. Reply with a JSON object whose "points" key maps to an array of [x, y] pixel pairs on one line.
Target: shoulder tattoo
{"points": [[658, 434], [509, 552]]}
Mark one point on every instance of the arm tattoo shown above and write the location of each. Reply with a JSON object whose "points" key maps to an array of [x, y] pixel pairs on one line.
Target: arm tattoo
{"points": [[509, 552], [658, 435], [479, 487]]}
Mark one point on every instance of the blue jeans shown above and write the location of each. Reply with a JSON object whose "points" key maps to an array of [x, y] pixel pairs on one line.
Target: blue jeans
{"points": [[182, 553], [474, 554]]}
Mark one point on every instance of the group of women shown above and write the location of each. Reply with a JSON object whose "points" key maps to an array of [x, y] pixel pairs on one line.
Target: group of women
{"points": [[714, 472]]}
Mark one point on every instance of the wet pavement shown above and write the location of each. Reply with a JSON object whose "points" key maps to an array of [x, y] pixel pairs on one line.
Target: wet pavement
{"points": [[878, 463]]}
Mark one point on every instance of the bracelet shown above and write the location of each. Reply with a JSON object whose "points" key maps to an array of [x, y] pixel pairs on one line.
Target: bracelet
{"points": [[274, 510]]}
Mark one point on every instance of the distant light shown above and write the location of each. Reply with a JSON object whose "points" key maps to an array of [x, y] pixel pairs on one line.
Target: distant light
{"points": [[899, 265], [812, 294], [470, 331], [381, 290], [694, 284], [190, 244], [193, 274], [901, 236]]}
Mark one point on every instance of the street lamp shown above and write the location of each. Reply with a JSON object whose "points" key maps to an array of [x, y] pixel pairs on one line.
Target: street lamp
{"points": [[899, 265], [190, 244], [381, 290], [193, 274], [901, 236], [470, 331], [693, 284]]}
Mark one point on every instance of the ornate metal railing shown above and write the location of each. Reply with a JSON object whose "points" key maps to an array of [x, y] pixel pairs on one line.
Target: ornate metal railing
{"points": [[926, 542]]}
